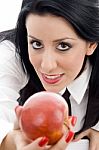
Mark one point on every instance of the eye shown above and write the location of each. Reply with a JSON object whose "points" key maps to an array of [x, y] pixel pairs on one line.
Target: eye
{"points": [[63, 46], [36, 45]]}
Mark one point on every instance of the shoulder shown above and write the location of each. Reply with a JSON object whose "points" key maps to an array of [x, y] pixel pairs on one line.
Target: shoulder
{"points": [[7, 44], [10, 63], [7, 51]]}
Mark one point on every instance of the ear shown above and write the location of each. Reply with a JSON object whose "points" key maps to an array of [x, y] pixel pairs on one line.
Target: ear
{"points": [[91, 48]]}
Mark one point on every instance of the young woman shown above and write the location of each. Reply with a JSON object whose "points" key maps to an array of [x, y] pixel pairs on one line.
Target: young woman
{"points": [[58, 43]]}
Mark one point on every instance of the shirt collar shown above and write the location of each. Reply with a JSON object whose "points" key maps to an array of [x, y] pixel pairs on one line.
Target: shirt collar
{"points": [[79, 86]]}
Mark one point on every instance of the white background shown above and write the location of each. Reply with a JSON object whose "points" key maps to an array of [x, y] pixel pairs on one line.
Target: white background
{"points": [[9, 10]]}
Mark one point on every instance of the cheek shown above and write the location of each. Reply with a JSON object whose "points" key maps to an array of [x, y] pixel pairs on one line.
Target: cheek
{"points": [[31, 57], [34, 59], [74, 64]]}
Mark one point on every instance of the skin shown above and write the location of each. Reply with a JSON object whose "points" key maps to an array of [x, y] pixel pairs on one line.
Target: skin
{"points": [[54, 48], [16, 141]]}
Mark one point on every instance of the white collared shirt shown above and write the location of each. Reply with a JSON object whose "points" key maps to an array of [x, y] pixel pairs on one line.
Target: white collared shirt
{"points": [[79, 97], [12, 79]]}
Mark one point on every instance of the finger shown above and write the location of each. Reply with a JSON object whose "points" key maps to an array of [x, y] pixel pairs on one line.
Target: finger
{"points": [[69, 137], [18, 110], [40, 143], [64, 141], [78, 137], [81, 135], [92, 146], [72, 121], [47, 147], [70, 124]]}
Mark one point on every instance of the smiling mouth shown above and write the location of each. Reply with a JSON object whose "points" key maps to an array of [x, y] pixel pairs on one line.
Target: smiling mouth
{"points": [[52, 79]]}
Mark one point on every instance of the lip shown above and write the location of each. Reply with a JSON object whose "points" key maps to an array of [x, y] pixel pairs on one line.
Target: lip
{"points": [[52, 79]]}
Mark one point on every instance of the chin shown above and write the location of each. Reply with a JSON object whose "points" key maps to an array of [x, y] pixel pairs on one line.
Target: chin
{"points": [[52, 89]]}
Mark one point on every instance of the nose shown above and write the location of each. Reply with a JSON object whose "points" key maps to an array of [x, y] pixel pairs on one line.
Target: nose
{"points": [[49, 62]]}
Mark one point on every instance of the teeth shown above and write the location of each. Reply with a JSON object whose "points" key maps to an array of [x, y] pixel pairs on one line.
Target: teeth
{"points": [[52, 77]]}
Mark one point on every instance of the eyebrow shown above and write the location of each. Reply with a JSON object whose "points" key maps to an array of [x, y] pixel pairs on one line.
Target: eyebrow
{"points": [[57, 40], [34, 38]]}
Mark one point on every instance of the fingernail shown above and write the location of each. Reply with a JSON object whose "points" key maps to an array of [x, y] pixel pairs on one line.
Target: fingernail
{"points": [[69, 136], [73, 120], [43, 141]]}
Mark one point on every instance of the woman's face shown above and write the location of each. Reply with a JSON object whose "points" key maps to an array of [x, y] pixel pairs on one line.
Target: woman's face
{"points": [[55, 50]]}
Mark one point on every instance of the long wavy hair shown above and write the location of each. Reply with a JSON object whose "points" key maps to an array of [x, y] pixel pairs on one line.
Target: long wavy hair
{"points": [[83, 16]]}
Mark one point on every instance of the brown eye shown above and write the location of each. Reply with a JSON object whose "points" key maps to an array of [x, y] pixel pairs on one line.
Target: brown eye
{"points": [[63, 46], [36, 45]]}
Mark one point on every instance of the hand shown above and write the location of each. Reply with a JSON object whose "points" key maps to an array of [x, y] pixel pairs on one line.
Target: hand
{"points": [[24, 144], [15, 140], [93, 135], [63, 142], [18, 142], [67, 137]]}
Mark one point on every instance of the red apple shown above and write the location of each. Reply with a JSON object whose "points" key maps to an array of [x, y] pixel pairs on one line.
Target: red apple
{"points": [[43, 114]]}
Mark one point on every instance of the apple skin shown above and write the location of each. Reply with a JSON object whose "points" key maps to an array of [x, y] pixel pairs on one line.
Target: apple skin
{"points": [[43, 114]]}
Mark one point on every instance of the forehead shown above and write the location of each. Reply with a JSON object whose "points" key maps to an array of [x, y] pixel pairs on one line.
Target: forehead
{"points": [[49, 24], [47, 18]]}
